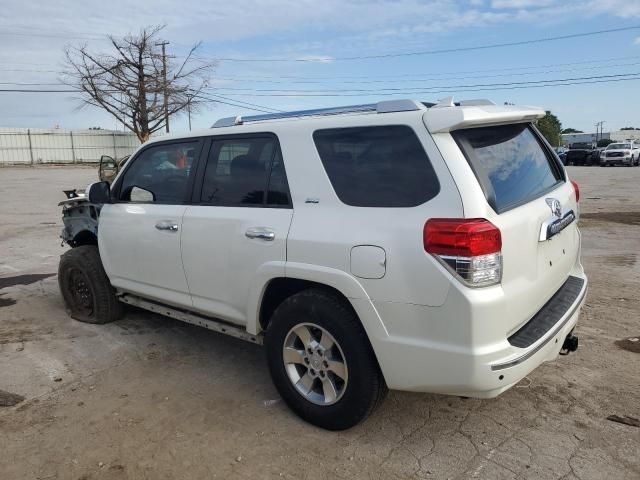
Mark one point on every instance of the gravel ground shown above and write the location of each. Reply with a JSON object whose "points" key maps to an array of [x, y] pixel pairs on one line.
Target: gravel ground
{"points": [[148, 397]]}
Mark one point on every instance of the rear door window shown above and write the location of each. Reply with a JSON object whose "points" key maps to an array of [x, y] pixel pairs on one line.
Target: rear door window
{"points": [[240, 170], [383, 166], [510, 162]]}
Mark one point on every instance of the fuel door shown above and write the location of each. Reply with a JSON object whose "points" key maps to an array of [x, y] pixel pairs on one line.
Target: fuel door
{"points": [[368, 261]]}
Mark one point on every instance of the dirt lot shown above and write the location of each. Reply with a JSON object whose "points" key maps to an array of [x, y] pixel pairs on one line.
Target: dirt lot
{"points": [[148, 397]]}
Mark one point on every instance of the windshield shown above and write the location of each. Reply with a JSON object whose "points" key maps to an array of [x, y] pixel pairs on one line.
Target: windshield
{"points": [[619, 146]]}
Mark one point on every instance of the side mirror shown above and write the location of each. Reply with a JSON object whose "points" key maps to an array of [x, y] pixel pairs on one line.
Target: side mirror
{"points": [[99, 193]]}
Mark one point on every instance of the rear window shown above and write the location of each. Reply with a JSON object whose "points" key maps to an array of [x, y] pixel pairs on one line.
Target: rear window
{"points": [[510, 162], [377, 166]]}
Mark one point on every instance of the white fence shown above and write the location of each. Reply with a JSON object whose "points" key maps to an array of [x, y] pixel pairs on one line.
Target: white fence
{"points": [[31, 146]]}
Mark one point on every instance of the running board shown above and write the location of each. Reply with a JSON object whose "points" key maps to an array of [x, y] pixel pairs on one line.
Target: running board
{"points": [[188, 317]]}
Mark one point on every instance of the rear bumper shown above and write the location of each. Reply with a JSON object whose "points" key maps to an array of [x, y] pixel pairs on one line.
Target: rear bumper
{"points": [[415, 363]]}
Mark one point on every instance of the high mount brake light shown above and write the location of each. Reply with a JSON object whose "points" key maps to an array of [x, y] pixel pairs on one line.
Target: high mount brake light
{"points": [[469, 247], [576, 190]]}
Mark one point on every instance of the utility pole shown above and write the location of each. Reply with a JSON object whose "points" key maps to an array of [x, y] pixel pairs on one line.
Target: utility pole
{"points": [[189, 97], [164, 84], [600, 130]]}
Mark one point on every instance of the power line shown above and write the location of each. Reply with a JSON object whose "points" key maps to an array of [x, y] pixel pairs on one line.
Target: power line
{"points": [[254, 109], [452, 89], [414, 80], [455, 72], [433, 52], [51, 35], [421, 89], [236, 103], [36, 84], [246, 103], [400, 75], [428, 90], [586, 65]]}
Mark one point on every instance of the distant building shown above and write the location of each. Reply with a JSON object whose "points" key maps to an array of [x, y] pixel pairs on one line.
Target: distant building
{"points": [[616, 136]]}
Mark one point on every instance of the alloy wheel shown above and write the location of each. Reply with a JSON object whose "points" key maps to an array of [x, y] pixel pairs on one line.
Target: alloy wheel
{"points": [[315, 364]]}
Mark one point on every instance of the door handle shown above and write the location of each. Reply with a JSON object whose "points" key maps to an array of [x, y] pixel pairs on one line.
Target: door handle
{"points": [[168, 225], [261, 233]]}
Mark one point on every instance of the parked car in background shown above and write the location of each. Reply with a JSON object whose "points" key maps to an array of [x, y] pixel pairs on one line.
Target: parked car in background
{"points": [[582, 154], [562, 154], [624, 153]]}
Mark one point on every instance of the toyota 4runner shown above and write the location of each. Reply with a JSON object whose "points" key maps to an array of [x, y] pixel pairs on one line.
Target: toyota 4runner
{"points": [[403, 245]]}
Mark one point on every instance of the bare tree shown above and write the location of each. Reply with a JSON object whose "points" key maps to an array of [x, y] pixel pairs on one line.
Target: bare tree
{"points": [[130, 84]]}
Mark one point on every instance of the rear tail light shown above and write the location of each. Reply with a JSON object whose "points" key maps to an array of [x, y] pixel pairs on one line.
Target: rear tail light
{"points": [[471, 248], [576, 190]]}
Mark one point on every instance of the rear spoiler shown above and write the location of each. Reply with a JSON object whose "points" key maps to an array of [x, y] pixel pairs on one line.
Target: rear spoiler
{"points": [[448, 118]]}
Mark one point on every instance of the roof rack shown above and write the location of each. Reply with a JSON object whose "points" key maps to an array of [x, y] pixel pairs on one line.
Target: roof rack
{"points": [[380, 107]]}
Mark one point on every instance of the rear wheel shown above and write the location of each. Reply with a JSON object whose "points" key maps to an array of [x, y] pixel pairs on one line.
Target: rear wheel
{"points": [[321, 360], [85, 287]]}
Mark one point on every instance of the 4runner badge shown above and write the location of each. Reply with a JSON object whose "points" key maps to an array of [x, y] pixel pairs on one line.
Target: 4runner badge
{"points": [[557, 222], [555, 206]]}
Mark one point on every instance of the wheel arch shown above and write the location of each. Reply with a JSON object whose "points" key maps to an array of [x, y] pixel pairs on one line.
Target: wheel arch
{"points": [[281, 288], [84, 237], [298, 277]]}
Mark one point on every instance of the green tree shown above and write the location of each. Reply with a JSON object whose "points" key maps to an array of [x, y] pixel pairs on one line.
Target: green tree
{"points": [[550, 127], [629, 128], [571, 130], [603, 142]]}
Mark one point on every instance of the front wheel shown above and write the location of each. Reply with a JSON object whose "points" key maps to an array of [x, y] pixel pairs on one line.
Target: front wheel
{"points": [[85, 287], [321, 360]]}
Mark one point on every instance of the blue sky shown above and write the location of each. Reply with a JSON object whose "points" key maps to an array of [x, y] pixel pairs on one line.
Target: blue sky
{"points": [[33, 34]]}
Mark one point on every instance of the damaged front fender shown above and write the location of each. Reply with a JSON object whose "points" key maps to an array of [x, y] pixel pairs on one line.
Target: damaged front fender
{"points": [[80, 219]]}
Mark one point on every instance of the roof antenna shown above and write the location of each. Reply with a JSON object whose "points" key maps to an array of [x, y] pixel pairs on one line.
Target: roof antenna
{"points": [[444, 102]]}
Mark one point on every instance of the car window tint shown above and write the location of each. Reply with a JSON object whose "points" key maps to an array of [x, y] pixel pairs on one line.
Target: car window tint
{"points": [[512, 160], [382, 166], [236, 171], [162, 170]]}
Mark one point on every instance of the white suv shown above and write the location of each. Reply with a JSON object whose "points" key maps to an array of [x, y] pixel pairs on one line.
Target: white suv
{"points": [[621, 153], [401, 245]]}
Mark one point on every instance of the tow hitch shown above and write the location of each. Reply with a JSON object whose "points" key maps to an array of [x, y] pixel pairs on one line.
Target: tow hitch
{"points": [[570, 344]]}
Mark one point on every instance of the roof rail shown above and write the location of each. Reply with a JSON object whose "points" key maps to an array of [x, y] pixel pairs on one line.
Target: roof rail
{"points": [[388, 106]]}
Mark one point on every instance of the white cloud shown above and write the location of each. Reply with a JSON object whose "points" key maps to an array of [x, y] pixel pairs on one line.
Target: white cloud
{"points": [[519, 4], [619, 8], [637, 41]]}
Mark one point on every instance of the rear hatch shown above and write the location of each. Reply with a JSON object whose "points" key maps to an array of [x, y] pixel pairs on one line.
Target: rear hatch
{"points": [[535, 207]]}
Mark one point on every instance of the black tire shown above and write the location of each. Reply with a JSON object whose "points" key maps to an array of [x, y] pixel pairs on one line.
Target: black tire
{"points": [[87, 292], [365, 388]]}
